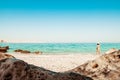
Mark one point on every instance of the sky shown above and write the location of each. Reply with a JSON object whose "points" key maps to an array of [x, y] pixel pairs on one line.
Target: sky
{"points": [[60, 20]]}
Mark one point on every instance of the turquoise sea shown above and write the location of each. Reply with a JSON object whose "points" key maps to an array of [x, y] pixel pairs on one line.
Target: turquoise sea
{"points": [[61, 48]]}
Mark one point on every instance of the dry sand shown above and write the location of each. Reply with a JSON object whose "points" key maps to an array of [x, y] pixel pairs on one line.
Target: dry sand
{"points": [[58, 63]]}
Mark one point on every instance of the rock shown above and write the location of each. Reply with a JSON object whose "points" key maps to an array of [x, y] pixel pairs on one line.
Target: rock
{"points": [[111, 50], [22, 51], [106, 67], [4, 49], [18, 50], [14, 69], [4, 56], [38, 52], [7, 47], [25, 51]]}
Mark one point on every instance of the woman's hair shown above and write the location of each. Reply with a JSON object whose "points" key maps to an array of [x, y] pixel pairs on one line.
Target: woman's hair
{"points": [[98, 43]]}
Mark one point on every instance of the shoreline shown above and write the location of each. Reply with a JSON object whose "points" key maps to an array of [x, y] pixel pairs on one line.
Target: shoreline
{"points": [[60, 53], [57, 63]]}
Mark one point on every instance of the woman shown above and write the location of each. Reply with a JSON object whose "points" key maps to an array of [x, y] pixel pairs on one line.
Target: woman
{"points": [[98, 48]]}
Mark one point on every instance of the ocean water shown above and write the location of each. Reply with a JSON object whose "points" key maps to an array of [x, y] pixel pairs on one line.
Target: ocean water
{"points": [[61, 48]]}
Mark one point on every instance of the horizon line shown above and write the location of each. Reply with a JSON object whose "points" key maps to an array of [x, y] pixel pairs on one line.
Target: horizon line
{"points": [[59, 42]]}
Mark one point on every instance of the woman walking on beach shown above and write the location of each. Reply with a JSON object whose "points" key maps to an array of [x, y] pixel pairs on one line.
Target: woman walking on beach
{"points": [[98, 48]]}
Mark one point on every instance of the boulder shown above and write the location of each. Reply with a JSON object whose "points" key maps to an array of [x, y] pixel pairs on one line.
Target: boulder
{"points": [[4, 49], [106, 67], [15, 69]]}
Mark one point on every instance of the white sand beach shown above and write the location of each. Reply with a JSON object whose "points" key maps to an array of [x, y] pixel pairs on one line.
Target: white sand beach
{"points": [[58, 63]]}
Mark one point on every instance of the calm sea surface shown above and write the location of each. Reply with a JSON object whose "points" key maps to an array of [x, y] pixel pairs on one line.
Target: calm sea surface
{"points": [[61, 48]]}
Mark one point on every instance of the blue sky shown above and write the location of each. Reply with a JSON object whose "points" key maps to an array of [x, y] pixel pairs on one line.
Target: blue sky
{"points": [[60, 20]]}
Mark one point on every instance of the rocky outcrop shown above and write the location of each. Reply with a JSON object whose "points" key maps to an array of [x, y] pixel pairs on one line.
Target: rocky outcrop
{"points": [[18, 50], [4, 56], [22, 51], [14, 69], [4, 49], [26, 51], [106, 67]]}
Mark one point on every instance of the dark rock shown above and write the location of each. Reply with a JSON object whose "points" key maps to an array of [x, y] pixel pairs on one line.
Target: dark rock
{"points": [[25, 51], [22, 51], [4, 49], [7, 47], [18, 50]]}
